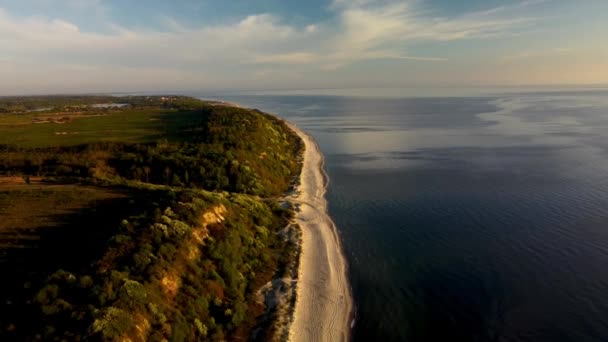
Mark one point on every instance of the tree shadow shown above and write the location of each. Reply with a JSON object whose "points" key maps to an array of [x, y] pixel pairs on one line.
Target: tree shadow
{"points": [[73, 241]]}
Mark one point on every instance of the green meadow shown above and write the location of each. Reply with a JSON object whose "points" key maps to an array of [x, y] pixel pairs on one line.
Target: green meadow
{"points": [[131, 126]]}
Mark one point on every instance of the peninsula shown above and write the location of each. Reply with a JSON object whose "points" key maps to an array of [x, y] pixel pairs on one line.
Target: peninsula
{"points": [[144, 218]]}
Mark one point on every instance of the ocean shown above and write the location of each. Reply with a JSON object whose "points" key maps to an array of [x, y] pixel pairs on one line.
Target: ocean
{"points": [[477, 218]]}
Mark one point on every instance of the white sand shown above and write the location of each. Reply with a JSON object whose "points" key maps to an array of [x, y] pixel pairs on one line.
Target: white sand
{"points": [[324, 303]]}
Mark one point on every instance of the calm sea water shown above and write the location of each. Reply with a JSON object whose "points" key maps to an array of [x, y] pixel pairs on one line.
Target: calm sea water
{"points": [[473, 219]]}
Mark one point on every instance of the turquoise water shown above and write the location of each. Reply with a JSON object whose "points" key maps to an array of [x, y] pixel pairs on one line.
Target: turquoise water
{"points": [[468, 218]]}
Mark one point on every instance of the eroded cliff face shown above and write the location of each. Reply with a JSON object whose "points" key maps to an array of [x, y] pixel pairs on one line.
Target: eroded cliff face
{"points": [[189, 251]]}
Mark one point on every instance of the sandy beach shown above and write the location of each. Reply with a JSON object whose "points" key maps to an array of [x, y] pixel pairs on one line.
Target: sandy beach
{"points": [[324, 303]]}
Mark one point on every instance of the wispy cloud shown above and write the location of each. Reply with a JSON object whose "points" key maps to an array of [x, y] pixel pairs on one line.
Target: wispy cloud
{"points": [[361, 30], [537, 53], [383, 29]]}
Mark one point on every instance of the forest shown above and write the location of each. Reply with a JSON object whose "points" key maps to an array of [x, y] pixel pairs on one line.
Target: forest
{"points": [[159, 219]]}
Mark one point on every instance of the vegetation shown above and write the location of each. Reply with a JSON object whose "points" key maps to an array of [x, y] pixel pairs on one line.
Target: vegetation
{"points": [[58, 104], [158, 220], [204, 146]]}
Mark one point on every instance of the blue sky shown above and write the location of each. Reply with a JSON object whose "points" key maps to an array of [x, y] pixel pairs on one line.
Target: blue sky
{"points": [[108, 45]]}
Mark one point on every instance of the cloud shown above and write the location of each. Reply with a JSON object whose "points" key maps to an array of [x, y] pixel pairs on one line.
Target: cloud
{"points": [[401, 21], [288, 58], [384, 29], [539, 53], [60, 42], [361, 30]]}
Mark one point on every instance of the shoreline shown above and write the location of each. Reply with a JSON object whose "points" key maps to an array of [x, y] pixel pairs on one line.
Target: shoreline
{"points": [[324, 306], [323, 309]]}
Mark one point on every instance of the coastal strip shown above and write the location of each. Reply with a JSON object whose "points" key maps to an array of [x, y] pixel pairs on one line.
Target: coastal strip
{"points": [[323, 297]]}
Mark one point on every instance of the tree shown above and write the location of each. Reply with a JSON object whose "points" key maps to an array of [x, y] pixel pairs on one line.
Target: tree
{"points": [[176, 181], [147, 172]]}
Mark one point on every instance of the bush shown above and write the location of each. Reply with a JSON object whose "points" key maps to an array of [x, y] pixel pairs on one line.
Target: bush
{"points": [[112, 324]]}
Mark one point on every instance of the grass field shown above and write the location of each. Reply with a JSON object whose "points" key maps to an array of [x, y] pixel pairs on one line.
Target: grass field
{"points": [[26, 208], [123, 126], [35, 217], [46, 227]]}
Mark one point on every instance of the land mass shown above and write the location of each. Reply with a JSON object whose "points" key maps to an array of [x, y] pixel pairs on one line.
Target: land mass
{"points": [[144, 218]]}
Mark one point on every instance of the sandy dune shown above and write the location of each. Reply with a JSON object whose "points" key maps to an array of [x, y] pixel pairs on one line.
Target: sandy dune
{"points": [[324, 305]]}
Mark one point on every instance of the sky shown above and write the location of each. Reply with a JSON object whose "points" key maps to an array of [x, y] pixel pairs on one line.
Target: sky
{"points": [[85, 46]]}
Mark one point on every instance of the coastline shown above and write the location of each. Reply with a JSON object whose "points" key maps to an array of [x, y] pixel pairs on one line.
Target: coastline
{"points": [[324, 305], [323, 308]]}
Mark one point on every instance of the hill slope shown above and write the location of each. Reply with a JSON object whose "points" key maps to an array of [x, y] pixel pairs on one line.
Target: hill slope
{"points": [[198, 232]]}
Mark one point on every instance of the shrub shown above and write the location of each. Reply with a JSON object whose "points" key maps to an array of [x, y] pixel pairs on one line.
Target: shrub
{"points": [[112, 324]]}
